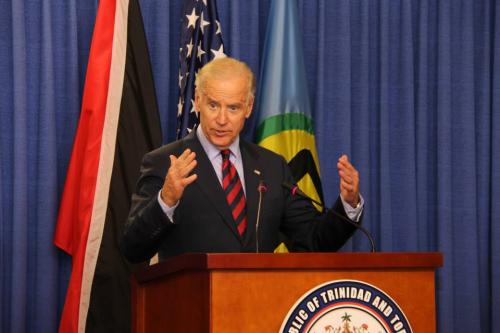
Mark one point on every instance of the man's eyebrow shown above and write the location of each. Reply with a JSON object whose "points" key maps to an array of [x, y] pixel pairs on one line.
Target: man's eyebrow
{"points": [[210, 99]]}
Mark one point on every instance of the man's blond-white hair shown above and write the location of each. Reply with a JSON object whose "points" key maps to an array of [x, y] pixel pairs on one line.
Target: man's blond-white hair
{"points": [[225, 68]]}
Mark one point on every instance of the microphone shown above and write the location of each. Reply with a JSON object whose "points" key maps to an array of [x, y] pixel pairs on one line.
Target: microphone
{"points": [[262, 188], [295, 190]]}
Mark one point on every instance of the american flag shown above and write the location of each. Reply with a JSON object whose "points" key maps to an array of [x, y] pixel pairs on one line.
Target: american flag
{"points": [[201, 41]]}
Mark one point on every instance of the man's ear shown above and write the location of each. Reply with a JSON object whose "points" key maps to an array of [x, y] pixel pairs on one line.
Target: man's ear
{"points": [[250, 107], [196, 100]]}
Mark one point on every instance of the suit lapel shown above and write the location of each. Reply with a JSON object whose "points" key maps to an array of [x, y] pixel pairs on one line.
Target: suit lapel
{"points": [[250, 166], [208, 183]]}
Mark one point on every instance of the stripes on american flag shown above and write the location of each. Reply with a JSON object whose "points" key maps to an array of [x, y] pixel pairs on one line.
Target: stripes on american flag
{"points": [[201, 42]]}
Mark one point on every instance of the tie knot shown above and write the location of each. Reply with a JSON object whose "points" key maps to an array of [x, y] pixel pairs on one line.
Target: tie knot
{"points": [[225, 154]]}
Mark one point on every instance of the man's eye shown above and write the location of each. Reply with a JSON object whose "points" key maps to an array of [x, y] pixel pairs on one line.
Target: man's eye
{"points": [[212, 105]]}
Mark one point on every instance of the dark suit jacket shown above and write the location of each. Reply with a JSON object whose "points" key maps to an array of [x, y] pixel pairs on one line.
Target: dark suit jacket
{"points": [[203, 221]]}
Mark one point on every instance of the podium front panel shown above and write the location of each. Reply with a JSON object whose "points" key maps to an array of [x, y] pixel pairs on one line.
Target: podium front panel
{"points": [[253, 301], [221, 293]]}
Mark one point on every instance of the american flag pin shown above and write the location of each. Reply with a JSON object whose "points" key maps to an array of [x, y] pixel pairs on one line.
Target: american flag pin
{"points": [[257, 172]]}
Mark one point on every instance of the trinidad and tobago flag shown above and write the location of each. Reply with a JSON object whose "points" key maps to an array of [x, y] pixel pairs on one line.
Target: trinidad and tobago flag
{"points": [[119, 123]]}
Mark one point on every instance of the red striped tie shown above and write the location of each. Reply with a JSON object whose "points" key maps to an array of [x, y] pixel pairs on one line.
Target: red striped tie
{"points": [[234, 192]]}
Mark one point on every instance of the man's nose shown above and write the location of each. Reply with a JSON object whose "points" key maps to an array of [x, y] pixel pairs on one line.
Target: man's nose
{"points": [[222, 116]]}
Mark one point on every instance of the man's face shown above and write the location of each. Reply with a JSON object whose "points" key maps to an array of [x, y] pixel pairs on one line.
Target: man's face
{"points": [[223, 106]]}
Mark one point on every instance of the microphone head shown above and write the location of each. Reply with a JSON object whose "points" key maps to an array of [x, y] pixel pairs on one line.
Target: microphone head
{"points": [[293, 188], [262, 187]]}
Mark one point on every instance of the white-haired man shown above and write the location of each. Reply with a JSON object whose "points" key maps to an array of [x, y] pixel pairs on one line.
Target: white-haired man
{"points": [[199, 194]]}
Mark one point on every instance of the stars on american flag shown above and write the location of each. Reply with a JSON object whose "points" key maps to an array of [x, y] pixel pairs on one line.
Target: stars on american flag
{"points": [[201, 41], [179, 107], [200, 52], [192, 19], [203, 23], [189, 48], [219, 53], [218, 31]]}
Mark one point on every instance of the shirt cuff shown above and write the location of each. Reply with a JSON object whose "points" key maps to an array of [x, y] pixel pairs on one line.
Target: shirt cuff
{"points": [[353, 213], [169, 211]]}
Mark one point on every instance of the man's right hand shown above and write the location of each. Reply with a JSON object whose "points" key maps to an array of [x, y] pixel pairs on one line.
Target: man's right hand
{"points": [[178, 177]]}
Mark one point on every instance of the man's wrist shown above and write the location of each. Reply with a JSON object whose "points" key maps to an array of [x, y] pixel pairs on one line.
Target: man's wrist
{"points": [[168, 210], [352, 212], [356, 205], [166, 201]]}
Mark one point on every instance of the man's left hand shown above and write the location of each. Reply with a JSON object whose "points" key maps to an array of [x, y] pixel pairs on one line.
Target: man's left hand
{"points": [[349, 181]]}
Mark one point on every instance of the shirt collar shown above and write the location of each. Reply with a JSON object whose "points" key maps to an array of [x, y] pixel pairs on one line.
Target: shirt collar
{"points": [[213, 151]]}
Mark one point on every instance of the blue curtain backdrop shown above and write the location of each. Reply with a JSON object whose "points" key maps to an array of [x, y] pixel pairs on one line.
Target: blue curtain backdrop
{"points": [[409, 89]]}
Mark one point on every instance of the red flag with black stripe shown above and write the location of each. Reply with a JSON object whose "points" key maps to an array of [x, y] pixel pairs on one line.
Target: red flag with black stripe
{"points": [[119, 123]]}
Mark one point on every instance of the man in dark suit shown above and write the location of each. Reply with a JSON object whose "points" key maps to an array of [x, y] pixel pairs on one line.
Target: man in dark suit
{"points": [[201, 193]]}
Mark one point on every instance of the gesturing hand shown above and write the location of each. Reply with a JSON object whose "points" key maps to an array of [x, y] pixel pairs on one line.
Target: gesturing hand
{"points": [[349, 181], [178, 177]]}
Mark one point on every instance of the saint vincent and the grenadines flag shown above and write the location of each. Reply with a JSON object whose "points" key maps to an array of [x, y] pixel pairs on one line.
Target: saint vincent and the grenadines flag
{"points": [[285, 122]]}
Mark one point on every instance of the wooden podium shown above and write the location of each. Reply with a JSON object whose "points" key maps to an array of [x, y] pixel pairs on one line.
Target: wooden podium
{"points": [[254, 292]]}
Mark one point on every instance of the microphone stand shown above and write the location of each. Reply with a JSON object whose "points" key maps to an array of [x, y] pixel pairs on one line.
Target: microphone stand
{"points": [[296, 191], [261, 189]]}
